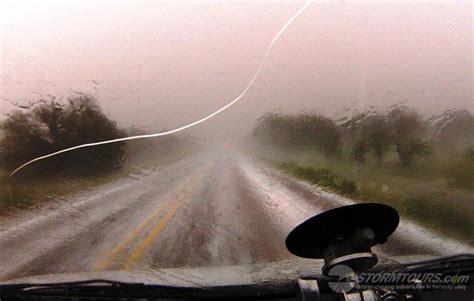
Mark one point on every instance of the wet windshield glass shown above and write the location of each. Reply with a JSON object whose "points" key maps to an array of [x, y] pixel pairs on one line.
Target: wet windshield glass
{"points": [[247, 118]]}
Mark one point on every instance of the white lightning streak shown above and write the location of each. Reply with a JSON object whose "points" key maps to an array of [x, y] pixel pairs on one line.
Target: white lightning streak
{"points": [[277, 36]]}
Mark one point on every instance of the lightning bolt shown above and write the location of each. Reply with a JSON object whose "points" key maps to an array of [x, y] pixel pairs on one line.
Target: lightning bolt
{"points": [[187, 126]]}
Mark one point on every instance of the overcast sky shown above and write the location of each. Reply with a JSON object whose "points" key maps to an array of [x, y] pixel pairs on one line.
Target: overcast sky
{"points": [[163, 64]]}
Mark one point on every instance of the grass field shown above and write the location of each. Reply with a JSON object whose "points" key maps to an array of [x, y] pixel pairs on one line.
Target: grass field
{"points": [[435, 192], [23, 192]]}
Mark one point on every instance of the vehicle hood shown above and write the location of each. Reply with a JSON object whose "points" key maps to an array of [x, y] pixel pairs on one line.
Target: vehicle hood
{"points": [[277, 274]]}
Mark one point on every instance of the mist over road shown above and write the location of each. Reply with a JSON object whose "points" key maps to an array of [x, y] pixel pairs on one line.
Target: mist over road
{"points": [[212, 209]]}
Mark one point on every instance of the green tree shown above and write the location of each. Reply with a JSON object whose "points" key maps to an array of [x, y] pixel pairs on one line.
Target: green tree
{"points": [[406, 128], [359, 151], [52, 126], [302, 130], [376, 134]]}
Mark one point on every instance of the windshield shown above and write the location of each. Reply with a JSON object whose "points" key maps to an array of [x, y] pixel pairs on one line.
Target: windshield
{"points": [[139, 136]]}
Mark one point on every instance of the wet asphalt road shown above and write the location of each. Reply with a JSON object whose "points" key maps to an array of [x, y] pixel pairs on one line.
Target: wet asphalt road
{"points": [[212, 209]]}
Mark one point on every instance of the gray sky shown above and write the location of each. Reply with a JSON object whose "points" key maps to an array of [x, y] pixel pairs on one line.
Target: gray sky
{"points": [[163, 64]]}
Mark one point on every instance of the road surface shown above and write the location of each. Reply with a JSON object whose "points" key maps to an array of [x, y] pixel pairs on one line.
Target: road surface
{"points": [[211, 209]]}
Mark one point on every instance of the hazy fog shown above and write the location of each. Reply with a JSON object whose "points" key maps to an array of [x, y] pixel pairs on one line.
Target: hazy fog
{"points": [[160, 64]]}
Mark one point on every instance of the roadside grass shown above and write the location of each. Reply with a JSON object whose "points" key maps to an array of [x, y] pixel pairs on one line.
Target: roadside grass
{"points": [[20, 193], [435, 193], [26, 191]]}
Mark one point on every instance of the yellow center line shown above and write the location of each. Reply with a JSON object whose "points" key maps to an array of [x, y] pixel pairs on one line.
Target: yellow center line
{"points": [[104, 263], [138, 251], [117, 251]]}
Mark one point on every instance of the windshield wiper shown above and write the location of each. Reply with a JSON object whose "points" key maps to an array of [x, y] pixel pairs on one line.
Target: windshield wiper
{"points": [[97, 287], [115, 289], [448, 264]]}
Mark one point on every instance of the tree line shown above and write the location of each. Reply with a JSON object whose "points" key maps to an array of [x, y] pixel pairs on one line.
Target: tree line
{"points": [[370, 134], [52, 126]]}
